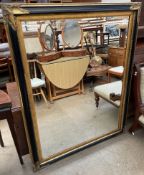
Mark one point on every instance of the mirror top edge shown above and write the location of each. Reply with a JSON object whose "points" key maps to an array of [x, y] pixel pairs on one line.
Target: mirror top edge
{"points": [[39, 8]]}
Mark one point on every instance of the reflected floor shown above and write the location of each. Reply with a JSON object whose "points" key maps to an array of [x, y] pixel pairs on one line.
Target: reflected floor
{"points": [[72, 120]]}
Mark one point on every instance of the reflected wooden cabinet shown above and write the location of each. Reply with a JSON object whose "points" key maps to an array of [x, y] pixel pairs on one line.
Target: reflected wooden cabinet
{"points": [[116, 56]]}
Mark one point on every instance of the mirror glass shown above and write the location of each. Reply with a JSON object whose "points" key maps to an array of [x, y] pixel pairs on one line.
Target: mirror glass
{"points": [[46, 33], [77, 98], [71, 28]]}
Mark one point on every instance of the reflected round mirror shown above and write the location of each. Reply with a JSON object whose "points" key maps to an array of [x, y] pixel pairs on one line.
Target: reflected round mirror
{"points": [[71, 33], [47, 36]]}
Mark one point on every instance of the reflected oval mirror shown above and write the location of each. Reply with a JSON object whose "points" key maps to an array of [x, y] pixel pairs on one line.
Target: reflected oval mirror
{"points": [[71, 33], [47, 36]]}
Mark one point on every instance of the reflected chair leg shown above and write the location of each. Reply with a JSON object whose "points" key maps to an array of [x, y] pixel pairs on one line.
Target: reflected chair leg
{"points": [[1, 140], [34, 96], [97, 100], [38, 96], [42, 93]]}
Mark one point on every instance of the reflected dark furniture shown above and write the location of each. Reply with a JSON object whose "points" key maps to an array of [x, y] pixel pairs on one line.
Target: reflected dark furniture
{"points": [[102, 38]]}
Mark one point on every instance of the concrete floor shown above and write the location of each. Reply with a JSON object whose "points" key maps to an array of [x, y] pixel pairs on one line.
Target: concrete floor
{"points": [[121, 155]]}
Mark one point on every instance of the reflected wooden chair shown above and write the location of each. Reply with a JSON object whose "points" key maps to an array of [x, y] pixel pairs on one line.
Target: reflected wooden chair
{"points": [[37, 83], [116, 72], [104, 91], [138, 95], [117, 62]]}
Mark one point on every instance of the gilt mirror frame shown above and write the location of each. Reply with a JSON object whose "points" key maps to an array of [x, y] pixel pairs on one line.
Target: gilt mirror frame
{"points": [[14, 15]]}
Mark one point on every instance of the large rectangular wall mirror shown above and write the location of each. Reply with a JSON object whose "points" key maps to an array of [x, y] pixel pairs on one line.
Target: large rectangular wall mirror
{"points": [[73, 67]]}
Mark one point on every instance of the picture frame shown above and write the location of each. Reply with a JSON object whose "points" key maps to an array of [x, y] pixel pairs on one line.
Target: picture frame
{"points": [[21, 13]]}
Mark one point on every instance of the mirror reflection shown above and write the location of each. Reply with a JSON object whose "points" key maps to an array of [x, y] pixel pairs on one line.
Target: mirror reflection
{"points": [[46, 35], [77, 82], [71, 28]]}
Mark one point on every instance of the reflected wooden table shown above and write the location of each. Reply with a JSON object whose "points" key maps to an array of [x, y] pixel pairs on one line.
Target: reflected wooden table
{"points": [[99, 71], [64, 76]]}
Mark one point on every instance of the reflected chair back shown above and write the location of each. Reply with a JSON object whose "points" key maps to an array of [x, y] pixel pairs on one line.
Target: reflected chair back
{"points": [[37, 83]]}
